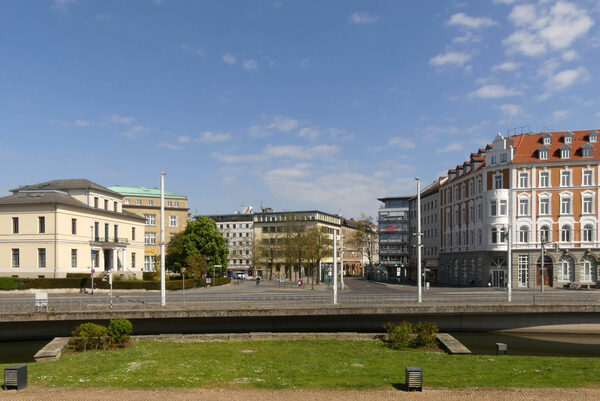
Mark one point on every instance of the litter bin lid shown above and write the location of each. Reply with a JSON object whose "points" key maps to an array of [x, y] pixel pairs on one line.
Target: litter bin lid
{"points": [[413, 369]]}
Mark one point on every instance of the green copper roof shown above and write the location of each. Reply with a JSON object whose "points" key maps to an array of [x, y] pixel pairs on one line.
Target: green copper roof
{"points": [[141, 191]]}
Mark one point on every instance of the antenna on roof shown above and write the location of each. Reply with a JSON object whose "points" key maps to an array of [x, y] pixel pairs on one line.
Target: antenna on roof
{"points": [[525, 129]]}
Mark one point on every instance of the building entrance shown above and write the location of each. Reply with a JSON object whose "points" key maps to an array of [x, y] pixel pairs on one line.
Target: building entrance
{"points": [[548, 272]]}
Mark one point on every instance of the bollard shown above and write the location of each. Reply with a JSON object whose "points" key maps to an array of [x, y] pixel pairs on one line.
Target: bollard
{"points": [[501, 349]]}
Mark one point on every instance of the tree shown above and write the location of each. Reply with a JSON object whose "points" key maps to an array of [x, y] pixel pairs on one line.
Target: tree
{"points": [[198, 242], [266, 252], [319, 246], [364, 237]]}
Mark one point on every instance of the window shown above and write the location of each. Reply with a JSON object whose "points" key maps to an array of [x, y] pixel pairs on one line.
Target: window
{"points": [[588, 205], [42, 224], [544, 179], [105, 204], [106, 232], [96, 202], [566, 272], [133, 260], [116, 232], [15, 221], [495, 238], [96, 231], [498, 181], [127, 201], [73, 226], [169, 203], [479, 211], [493, 208], [589, 271], [524, 234], [502, 157], [41, 257], [565, 205], [565, 178], [149, 263], [15, 258], [565, 233], [588, 233], [587, 151], [149, 238], [150, 219], [138, 202], [523, 180], [523, 207], [523, 270], [547, 139], [545, 233], [479, 185], [568, 139], [73, 257], [133, 233], [565, 153], [587, 178], [544, 206], [115, 206], [150, 202], [593, 136], [176, 204], [543, 154], [503, 207]]}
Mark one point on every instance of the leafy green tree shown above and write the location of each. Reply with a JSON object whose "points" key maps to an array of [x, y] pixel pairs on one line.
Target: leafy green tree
{"points": [[202, 241]]}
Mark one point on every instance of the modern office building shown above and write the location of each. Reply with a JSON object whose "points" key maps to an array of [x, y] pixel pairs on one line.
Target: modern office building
{"points": [[64, 226], [145, 202], [238, 230], [540, 189], [394, 242]]}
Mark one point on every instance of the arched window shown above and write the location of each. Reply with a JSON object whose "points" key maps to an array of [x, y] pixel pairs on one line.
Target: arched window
{"points": [[545, 233], [588, 233], [589, 270], [565, 233], [524, 234], [566, 273]]}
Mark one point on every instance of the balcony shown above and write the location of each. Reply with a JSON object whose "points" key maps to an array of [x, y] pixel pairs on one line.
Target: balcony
{"points": [[109, 240]]}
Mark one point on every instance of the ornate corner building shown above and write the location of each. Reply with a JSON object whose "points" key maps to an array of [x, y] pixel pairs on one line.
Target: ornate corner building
{"points": [[542, 190]]}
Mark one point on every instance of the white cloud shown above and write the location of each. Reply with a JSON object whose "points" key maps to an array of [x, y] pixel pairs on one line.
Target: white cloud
{"points": [[256, 131], [232, 159], [560, 115], [507, 66], [570, 55], [363, 18], [63, 5], [167, 145], [135, 131], [466, 21], [115, 118], [504, 1], [451, 147], [467, 37], [566, 78], [546, 25], [194, 50], [250, 65], [494, 92], [283, 124], [184, 139], [510, 110], [300, 152], [229, 59], [210, 137], [309, 132], [401, 142], [454, 58], [76, 123]]}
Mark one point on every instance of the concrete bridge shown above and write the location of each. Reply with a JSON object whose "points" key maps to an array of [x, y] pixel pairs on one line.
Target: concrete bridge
{"points": [[566, 318]]}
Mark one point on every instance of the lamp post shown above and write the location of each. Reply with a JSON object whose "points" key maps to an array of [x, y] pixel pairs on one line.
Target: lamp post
{"points": [[542, 266], [163, 300], [419, 289], [335, 300]]}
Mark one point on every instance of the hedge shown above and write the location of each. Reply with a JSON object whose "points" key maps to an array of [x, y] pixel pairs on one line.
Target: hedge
{"points": [[11, 283]]}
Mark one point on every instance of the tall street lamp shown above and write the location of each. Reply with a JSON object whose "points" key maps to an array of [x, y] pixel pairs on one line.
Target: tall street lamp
{"points": [[419, 290]]}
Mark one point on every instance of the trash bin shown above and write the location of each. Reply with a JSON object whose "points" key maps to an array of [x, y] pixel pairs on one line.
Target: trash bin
{"points": [[15, 377], [414, 378]]}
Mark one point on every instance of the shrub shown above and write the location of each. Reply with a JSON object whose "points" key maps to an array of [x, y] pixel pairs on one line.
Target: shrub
{"points": [[89, 336], [119, 331], [426, 334], [399, 336], [10, 283]]}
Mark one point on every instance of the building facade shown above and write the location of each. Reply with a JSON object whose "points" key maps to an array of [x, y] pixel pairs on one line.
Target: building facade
{"points": [[145, 202], [238, 230], [68, 226], [430, 229], [540, 189], [394, 242]]}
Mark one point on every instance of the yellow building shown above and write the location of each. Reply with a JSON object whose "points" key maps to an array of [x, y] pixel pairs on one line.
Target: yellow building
{"points": [[62, 226], [145, 202]]}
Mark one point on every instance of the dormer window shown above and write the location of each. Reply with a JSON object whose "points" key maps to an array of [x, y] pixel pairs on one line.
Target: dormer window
{"points": [[543, 152], [587, 150], [565, 152], [568, 137], [547, 139], [593, 136]]}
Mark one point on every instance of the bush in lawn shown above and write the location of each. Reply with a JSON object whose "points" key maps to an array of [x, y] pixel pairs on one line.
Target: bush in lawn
{"points": [[89, 336], [426, 334], [119, 331], [399, 336], [10, 283]]}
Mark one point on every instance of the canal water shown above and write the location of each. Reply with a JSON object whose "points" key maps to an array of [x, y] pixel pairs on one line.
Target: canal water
{"points": [[570, 345], [20, 351]]}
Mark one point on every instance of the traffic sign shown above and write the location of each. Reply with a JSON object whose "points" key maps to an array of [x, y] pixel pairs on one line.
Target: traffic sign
{"points": [[281, 279], [208, 280], [93, 271]]}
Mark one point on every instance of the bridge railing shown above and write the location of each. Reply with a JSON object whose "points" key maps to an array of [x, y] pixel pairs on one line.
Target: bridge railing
{"points": [[243, 302]]}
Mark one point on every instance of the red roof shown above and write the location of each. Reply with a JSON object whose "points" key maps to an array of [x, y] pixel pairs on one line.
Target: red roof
{"points": [[526, 146]]}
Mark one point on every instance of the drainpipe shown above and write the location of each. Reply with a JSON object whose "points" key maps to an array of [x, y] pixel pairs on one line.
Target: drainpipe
{"points": [[55, 237]]}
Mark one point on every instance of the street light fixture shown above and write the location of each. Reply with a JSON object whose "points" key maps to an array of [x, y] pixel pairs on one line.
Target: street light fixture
{"points": [[419, 290]]}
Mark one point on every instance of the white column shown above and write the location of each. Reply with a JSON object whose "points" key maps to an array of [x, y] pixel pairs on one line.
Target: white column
{"points": [[419, 291], [115, 260], [124, 260]]}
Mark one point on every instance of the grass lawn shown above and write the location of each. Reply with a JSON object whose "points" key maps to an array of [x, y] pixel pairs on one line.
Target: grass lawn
{"points": [[303, 364]]}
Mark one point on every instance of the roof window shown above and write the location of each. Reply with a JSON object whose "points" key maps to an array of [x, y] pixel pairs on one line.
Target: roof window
{"points": [[547, 139], [568, 137], [565, 152], [593, 136], [587, 150], [543, 152]]}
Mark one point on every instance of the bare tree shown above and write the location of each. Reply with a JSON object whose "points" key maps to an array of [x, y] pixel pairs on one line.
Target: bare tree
{"points": [[319, 246], [266, 252], [365, 238]]}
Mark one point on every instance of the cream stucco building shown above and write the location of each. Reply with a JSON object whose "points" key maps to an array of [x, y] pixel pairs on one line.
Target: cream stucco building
{"points": [[62, 226]]}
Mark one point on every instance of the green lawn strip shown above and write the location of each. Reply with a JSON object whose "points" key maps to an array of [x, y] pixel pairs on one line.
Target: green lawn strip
{"points": [[303, 364]]}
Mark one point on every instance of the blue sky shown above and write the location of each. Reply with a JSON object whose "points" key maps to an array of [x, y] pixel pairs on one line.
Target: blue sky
{"points": [[289, 104]]}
